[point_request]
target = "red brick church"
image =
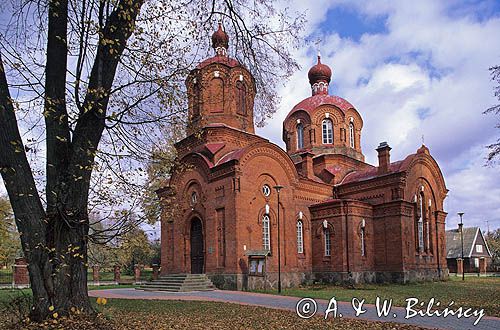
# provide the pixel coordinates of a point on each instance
(336, 218)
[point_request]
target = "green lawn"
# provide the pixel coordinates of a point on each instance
(154, 314)
(475, 292)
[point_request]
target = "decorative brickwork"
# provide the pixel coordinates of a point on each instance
(341, 219)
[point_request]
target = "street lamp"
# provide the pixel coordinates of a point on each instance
(278, 188)
(460, 227)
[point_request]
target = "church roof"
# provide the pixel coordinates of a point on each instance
(372, 172)
(313, 102)
(225, 60)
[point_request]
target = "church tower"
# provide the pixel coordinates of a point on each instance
(220, 90)
(322, 133)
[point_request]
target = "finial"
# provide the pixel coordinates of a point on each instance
(423, 140)
(317, 43)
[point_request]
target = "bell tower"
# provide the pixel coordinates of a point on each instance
(221, 91)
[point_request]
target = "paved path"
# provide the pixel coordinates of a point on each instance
(397, 314)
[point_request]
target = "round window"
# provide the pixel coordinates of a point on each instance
(194, 198)
(266, 190)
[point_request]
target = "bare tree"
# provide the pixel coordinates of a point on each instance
(495, 147)
(100, 82)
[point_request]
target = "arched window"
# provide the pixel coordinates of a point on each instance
(363, 244)
(241, 98)
(266, 238)
(351, 135)
(216, 95)
(300, 136)
(300, 237)
(420, 225)
(196, 101)
(427, 235)
(327, 131)
(328, 243)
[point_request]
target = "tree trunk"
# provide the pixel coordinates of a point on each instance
(55, 241)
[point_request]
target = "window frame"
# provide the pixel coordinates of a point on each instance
(327, 131)
(266, 232)
(327, 242)
(300, 136)
(352, 141)
(300, 237)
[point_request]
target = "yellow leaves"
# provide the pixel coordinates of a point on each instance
(55, 315)
(61, 138)
(102, 301)
(51, 308)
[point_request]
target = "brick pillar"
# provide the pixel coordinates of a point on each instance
(137, 273)
(117, 273)
(460, 266)
(156, 269)
(20, 275)
(482, 266)
(95, 274)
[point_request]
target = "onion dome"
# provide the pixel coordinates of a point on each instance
(220, 41)
(319, 77)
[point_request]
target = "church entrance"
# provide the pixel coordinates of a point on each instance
(197, 257)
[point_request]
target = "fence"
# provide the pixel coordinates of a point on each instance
(117, 274)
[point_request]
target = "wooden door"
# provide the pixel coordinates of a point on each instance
(197, 256)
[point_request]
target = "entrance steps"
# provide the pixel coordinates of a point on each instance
(179, 283)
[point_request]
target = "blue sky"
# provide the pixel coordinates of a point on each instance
(422, 67)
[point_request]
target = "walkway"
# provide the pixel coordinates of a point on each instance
(397, 314)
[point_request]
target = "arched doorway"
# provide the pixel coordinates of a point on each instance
(197, 257)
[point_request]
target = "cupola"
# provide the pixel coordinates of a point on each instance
(319, 77)
(221, 90)
(220, 41)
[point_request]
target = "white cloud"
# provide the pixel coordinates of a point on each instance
(427, 74)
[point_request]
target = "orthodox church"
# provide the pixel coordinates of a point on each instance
(246, 213)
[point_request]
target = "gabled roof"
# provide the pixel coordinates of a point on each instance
(372, 172)
(454, 242)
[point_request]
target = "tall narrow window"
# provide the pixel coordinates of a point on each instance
(266, 240)
(300, 237)
(328, 243)
(363, 246)
(241, 99)
(428, 233)
(196, 101)
(300, 136)
(216, 96)
(327, 131)
(351, 135)
(420, 225)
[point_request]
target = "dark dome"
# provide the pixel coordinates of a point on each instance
(220, 38)
(319, 72)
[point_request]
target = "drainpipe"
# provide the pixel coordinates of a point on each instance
(437, 244)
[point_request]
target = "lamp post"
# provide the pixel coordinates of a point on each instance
(460, 227)
(278, 188)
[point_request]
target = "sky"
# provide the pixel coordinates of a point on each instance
(414, 70)
(411, 69)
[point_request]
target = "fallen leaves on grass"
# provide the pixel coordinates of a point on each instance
(158, 315)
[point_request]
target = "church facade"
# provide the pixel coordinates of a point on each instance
(245, 212)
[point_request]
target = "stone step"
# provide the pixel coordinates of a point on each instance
(179, 283)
